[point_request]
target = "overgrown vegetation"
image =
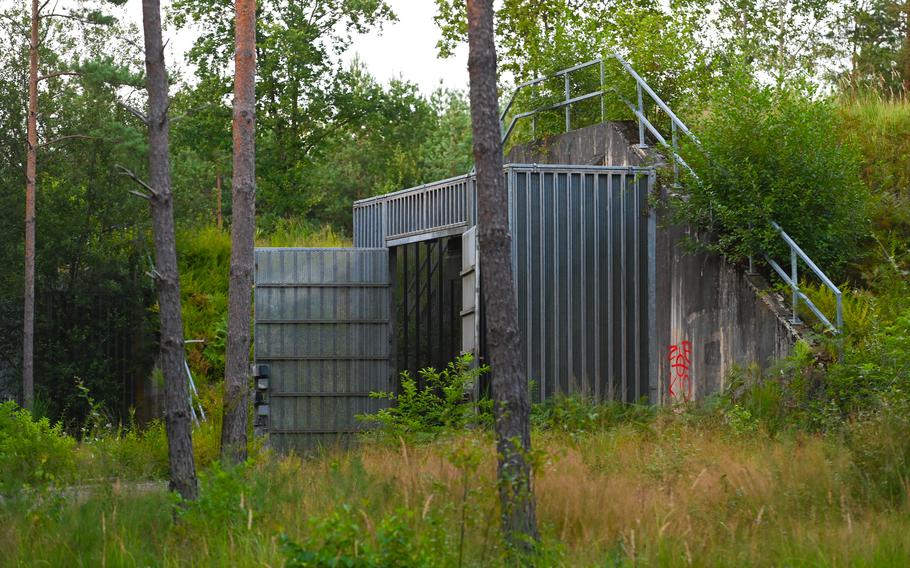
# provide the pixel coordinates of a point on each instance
(727, 483)
(444, 403)
(774, 154)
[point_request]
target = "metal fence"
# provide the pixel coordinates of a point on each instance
(323, 327)
(442, 208)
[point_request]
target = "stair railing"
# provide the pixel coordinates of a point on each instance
(676, 126)
(792, 280)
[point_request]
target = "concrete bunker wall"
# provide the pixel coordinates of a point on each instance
(710, 315)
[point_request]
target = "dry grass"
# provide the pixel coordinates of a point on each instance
(667, 494)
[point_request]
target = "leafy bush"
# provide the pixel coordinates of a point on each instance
(775, 154)
(577, 415)
(226, 495)
(32, 452)
(341, 539)
(441, 405)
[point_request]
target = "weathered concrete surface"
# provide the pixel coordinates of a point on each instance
(604, 144)
(710, 315)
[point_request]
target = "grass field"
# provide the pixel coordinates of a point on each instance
(671, 489)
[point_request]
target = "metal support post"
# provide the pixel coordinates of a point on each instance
(794, 285)
(641, 124)
(568, 106)
(675, 143)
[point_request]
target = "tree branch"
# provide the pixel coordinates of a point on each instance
(58, 74)
(135, 112)
(137, 179)
(67, 137)
(67, 17)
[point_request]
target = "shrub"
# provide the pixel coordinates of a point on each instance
(577, 415)
(422, 414)
(341, 539)
(32, 452)
(775, 154)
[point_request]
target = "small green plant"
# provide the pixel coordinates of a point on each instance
(578, 415)
(341, 539)
(740, 420)
(226, 497)
(443, 404)
(32, 452)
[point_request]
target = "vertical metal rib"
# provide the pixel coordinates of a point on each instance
(654, 395)
(597, 299)
(623, 292)
(636, 211)
(611, 353)
(583, 261)
(556, 280)
(570, 285)
(540, 276)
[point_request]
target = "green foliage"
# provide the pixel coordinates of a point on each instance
(880, 449)
(578, 415)
(773, 154)
(442, 405)
(342, 539)
(32, 452)
(874, 31)
(227, 496)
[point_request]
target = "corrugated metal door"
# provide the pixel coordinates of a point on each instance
(583, 254)
(323, 326)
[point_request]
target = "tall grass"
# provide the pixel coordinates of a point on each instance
(673, 490)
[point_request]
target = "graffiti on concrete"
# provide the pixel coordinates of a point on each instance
(680, 356)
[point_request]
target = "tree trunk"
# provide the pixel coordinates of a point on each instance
(31, 167)
(509, 387)
(907, 49)
(243, 224)
(167, 281)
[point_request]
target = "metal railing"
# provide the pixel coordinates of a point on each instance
(642, 88)
(395, 218)
(792, 280)
(676, 126)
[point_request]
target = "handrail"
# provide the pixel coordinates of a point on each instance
(792, 280)
(676, 124)
(642, 88)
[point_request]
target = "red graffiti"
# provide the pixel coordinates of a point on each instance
(680, 382)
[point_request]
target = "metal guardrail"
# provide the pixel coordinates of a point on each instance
(792, 280)
(400, 217)
(642, 89)
(676, 125)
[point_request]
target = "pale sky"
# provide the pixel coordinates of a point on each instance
(405, 49)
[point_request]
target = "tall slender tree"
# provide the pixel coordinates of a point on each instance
(243, 224)
(31, 167)
(511, 399)
(167, 281)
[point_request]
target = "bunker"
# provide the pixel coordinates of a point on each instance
(611, 305)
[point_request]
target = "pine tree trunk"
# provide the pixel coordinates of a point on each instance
(907, 49)
(509, 387)
(167, 281)
(243, 223)
(31, 168)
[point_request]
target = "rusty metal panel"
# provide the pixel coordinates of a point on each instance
(322, 325)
